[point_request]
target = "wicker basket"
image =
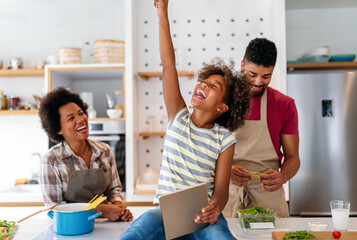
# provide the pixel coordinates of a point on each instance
(109, 51)
(69, 55)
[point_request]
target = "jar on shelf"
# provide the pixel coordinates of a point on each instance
(14, 103)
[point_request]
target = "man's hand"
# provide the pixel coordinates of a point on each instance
(272, 180)
(240, 176)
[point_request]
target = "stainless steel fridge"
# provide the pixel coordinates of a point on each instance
(327, 107)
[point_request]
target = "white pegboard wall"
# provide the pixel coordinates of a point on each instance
(200, 30)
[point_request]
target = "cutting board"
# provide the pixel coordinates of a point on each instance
(321, 235)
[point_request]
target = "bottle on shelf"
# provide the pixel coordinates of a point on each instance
(2, 104)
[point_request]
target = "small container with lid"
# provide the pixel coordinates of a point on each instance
(14, 103)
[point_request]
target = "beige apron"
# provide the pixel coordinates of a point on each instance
(84, 184)
(255, 152)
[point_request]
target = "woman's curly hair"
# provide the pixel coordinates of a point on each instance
(237, 95)
(49, 115)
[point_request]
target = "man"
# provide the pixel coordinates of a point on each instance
(268, 142)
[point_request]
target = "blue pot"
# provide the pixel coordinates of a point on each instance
(70, 219)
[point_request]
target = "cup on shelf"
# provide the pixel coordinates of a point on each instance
(150, 123)
(340, 214)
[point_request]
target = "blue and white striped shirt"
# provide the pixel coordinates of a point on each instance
(190, 154)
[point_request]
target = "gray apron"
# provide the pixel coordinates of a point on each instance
(255, 152)
(84, 184)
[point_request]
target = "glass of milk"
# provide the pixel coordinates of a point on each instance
(340, 213)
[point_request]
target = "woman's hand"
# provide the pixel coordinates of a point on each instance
(209, 214)
(115, 212)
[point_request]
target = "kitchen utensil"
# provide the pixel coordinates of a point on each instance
(33, 214)
(321, 235)
(70, 219)
(95, 203)
(342, 58)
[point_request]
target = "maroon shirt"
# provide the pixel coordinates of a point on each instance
(282, 116)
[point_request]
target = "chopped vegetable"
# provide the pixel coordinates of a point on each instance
(256, 174)
(254, 215)
(303, 234)
(7, 229)
(336, 234)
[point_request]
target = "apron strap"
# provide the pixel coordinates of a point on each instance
(71, 167)
(263, 107)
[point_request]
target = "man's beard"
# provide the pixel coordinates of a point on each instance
(257, 94)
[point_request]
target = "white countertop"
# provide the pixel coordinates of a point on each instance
(40, 226)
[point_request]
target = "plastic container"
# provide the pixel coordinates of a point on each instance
(342, 58)
(267, 220)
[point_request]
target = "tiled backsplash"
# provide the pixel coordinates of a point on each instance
(307, 29)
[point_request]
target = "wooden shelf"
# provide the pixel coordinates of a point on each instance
(146, 135)
(18, 112)
(321, 66)
(147, 75)
(22, 73)
(106, 119)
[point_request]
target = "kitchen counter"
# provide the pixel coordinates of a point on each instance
(40, 226)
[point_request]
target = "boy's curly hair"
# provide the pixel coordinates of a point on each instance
(261, 51)
(49, 115)
(237, 95)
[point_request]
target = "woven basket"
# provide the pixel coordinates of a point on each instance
(109, 51)
(69, 55)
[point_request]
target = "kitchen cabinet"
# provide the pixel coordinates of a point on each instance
(99, 79)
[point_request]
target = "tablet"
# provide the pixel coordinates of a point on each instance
(178, 210)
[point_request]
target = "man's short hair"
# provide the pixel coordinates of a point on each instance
(261, 51)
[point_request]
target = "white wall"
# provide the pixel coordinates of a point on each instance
(307, 29)
(33, 30)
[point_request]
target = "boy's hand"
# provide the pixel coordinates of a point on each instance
(209, 214)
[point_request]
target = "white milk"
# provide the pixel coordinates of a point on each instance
(340, 218)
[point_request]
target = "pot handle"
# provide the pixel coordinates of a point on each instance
(50, 214)
(94, 216)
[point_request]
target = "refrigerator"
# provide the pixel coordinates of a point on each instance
(326, 102)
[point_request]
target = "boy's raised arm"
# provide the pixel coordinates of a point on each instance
(172, 95)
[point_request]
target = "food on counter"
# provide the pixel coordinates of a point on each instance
(7, 229)
(317, 226)
(303, 234)
(256, 214)
(256, 174)
(336, 234)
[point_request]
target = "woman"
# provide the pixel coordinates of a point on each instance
(77, 168)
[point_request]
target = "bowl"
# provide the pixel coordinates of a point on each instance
(342, 58)
(320, 51)
(114, 113)
(6, 232)
(317, 226)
